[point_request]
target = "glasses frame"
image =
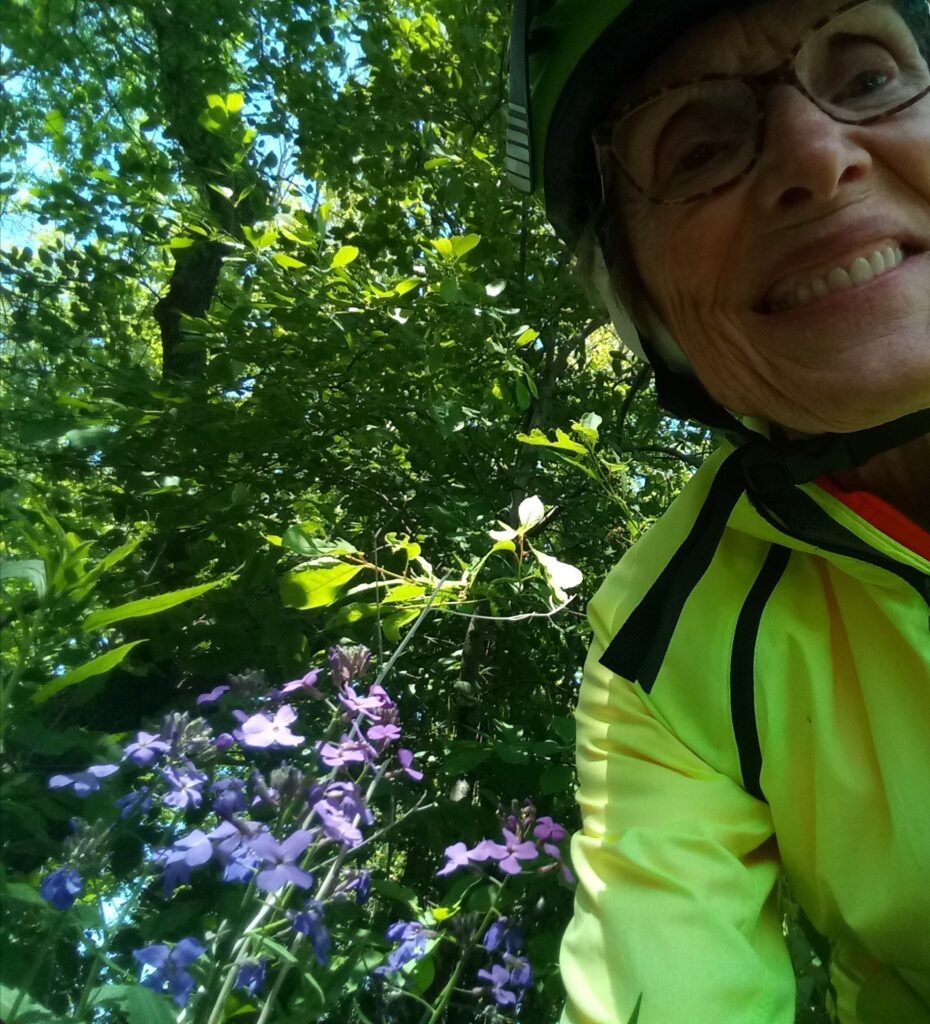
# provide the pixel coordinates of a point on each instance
(761, 85)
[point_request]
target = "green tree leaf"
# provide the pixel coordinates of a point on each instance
(316, 588)
(141, 1005)
(96, 667)
(54, 122)
(346, 255)
(145, 606)
(30, 569)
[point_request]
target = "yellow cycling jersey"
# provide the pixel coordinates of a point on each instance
(753, 703)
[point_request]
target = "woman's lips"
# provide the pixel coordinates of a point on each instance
(870, 262)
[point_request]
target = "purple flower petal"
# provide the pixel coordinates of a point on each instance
(186, 951)
(152, 956)
(405, 757)
(62, 887)
(212, 696)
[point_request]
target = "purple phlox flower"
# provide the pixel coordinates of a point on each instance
(347, 751)
(383, 734)
(230, 843)
(337, 825)
(497, 979)
(345, 798)
(62, 887)
(521, 974)
(309, 922)
(169, 967)
(262, 731)
(183, 856)
(136, 801)
(459, 856)
(305, 685)
(509, 853)
(85, 782)
(211, 696)
(251, 975)
(358, 882)
(224, 740)
(366, 707)
(412, 937)
(186, 786)
(229, 798)
(278, 868)
(504, 936)
(146, 749)
(546, 828)
(349, 798)
(388, 707)
(405, 757)
(348, 663)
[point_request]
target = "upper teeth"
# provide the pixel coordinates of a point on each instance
(862, 269)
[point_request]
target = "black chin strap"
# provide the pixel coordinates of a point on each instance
(775, 466)
(771, 467)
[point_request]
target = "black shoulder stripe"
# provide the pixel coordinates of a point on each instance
(742, 668)
(638, 649)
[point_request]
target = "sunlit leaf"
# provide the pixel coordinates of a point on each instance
(146, 606)
(346, 255)
(531, 513)
(316, 588)
(55, 122)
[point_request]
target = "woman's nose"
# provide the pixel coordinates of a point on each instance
(806, 155)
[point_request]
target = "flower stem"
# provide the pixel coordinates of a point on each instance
(440, 1008)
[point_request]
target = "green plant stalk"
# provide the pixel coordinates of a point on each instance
(328, 883)
(34, 970)
(7, 690)
(322, 893)
(109, 932)
(446, 993)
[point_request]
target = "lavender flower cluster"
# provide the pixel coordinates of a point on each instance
(507, 981)
(246, 798)
(527, 840)
(267, 826)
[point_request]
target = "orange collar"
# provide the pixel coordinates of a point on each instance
(880, 514)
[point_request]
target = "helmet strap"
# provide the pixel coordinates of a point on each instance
(774, 465)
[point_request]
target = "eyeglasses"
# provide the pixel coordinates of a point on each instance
(861, 64)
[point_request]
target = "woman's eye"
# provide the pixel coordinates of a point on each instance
(697, 157)
(863, 84)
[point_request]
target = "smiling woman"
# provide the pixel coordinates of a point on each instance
(748, 188)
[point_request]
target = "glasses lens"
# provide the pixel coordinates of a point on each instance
(867, 61)
(688, 140)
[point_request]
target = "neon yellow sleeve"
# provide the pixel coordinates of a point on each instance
(676, 868)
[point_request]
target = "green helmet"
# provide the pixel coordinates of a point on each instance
(567, 60)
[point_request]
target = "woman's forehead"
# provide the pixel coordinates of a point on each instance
(749, 38)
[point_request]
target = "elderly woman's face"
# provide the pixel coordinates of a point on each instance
(734, 276)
